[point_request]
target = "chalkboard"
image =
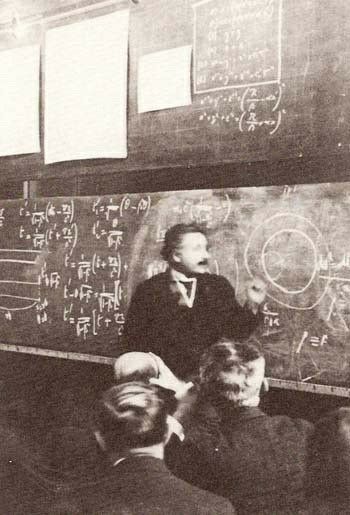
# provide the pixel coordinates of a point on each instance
(68, 267)
(270, 81)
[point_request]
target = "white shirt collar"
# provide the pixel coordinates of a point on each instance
(176, 427)
(180, 278)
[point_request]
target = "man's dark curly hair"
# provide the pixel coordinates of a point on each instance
(223, 355)
(173, 237)
(133, 414)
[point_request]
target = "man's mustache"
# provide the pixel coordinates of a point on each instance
(229, 388)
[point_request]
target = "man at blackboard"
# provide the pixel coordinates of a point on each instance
(179, 313)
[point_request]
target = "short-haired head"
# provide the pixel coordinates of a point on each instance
(234, 371)
(133, 415)
(135, 366)
(174, 235)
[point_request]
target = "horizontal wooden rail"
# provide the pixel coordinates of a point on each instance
(77, 356)
(285, 384)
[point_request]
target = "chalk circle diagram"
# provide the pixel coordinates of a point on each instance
(285, 249)
(19, 279)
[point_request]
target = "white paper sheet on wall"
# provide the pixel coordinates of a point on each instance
(86, 89)
(19, 97)
(164, 79)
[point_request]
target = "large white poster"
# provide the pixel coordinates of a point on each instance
(19, 97)
(86, 89)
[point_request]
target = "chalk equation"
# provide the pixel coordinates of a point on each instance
(69, 266)
(236, 44)
(63, 271)
(249, 110)
(237, 64)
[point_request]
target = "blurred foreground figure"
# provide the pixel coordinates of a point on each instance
(135, 366)
(132, 430)
(234, 449)
(329, 464)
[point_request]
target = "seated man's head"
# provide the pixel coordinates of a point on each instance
(132, 416)
(233, 371)
(186, 249)
(135, 366)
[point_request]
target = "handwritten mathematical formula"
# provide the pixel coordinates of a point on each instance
(237, 63)
(49, 268)
(69, 266)
(237, 44)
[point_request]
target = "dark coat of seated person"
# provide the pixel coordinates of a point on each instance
(70, 457)
(328, 472)
(233, 448)
(179, 313)
(131, 426)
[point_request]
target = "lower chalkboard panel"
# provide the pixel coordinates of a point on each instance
(69, 265)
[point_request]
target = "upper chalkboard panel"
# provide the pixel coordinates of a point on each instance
(270, 81)
(237, 47)
(68, 267)
(252, 96)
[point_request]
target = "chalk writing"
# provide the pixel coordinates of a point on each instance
(232, 49)
(202, 212)
(2, 217)
(68, 267)
(255, 108)
(86, 285)
(236, 43)
(272, 323)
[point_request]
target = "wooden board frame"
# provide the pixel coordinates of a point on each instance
(105, 360)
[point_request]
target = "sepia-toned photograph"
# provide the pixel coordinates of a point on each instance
(174, 257)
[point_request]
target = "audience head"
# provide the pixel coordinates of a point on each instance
(329, 457)
(233, 371)
(132, 415)
(186, 248)
(135, 366)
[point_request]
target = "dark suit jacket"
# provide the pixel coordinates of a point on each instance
(331, 506)
(256, 461)
(179, 334)
(144, 486)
